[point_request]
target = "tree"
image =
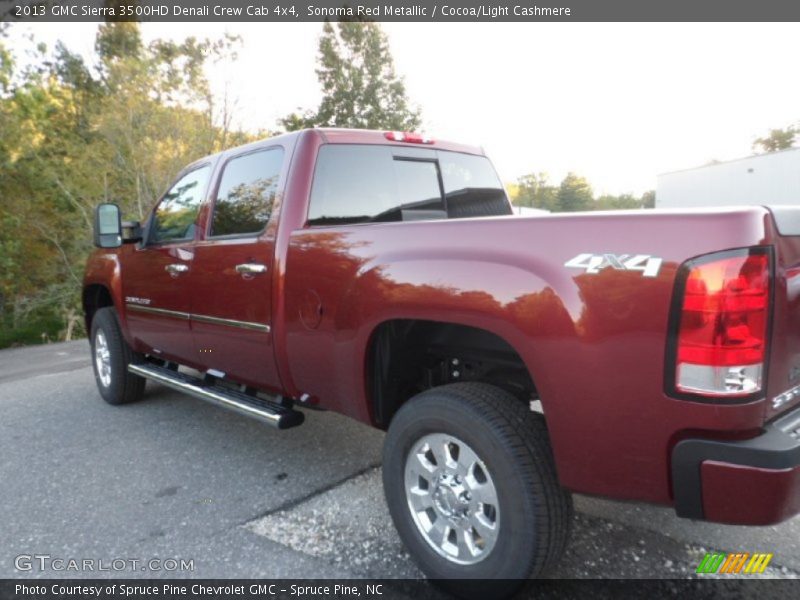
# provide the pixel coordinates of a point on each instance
(621, 202)
(118, 41)
(574, 194)
(534, 190)
(777, 139)
(359, 85)
(72, 136)
(6, 63)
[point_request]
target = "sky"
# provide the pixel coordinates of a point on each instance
(616, 103)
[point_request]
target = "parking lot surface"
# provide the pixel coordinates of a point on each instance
(174, 478)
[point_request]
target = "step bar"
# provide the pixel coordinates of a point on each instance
(260, 409)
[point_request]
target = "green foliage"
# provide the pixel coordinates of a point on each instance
(73, 136)
(359, 85)
(574, 193)
(777, 139)
(6, 65)
(534, 191)
(34, 330)
(118, 41)
(621, 202)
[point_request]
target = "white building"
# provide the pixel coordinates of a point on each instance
(763, 179)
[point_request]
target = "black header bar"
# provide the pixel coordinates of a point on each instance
(400, 10)
(383, 589)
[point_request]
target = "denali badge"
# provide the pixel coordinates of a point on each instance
(594, 263)
(135, 300)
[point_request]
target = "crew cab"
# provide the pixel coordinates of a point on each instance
(644, 355)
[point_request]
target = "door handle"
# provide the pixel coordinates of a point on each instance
(251, 268)
(176, 268)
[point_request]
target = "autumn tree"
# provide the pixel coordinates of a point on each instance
(6, 62)
(72, 136)
(649, 199)
(777, 139)
(574, 194)
(621, 202)
(535, 191)
(360, 87)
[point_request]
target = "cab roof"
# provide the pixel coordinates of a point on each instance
(335, 135)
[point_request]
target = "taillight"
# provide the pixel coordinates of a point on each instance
(721, 340)
(408, 137)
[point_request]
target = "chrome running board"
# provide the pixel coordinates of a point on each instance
(246, 404)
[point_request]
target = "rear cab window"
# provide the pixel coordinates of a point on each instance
(371, 183)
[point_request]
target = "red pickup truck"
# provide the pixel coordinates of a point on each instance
(644, 355)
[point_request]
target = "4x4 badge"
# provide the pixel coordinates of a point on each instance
(594, 263)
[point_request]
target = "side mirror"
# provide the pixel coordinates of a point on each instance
(107, 226)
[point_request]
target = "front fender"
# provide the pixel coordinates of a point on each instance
(104, 268)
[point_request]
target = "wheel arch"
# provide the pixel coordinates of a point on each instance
(102, 287)
(95, 296)
(514, 305)
(405, 356)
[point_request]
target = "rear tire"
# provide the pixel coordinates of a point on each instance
(111, 356)
(504, 515)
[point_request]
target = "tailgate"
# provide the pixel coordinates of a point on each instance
(783, 383)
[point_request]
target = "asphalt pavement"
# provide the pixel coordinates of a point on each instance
(176, 480)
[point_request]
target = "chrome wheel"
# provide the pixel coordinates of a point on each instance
(452, 498)
(102, 358)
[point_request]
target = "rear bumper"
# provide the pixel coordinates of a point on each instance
(746, 482)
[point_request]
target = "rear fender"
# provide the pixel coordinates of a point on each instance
(505, 300)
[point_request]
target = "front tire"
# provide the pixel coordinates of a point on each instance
(471, 485)
(111, 356)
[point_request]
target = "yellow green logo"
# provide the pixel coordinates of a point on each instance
(741, 562)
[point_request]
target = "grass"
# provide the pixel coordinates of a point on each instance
(36, 330)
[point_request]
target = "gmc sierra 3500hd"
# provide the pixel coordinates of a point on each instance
(642, 355)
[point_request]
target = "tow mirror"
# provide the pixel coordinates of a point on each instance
(107, 226)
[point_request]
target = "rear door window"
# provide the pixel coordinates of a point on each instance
(246, 193)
